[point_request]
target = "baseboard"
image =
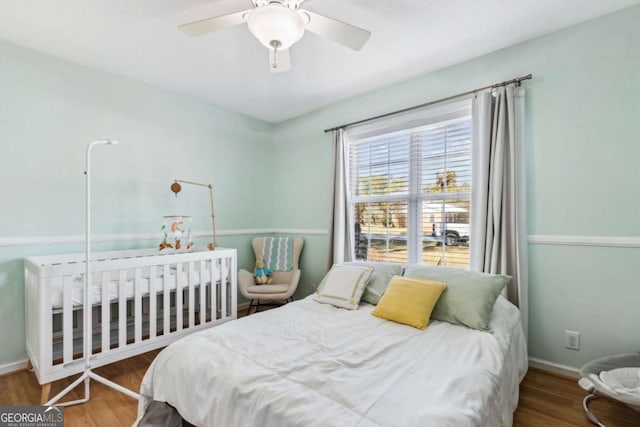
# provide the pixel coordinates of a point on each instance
(12, 367)
(243, 306)
(556, 368)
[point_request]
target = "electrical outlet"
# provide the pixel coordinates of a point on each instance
(572, 340)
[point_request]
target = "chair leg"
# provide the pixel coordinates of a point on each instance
(250, 305)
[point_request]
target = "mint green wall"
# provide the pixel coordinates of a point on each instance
(51, 109)
(583, 147)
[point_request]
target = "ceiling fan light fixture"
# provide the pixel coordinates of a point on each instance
(275, 22)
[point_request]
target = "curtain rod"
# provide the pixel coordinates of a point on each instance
(517, 80)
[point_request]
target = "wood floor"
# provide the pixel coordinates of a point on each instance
(545, 400)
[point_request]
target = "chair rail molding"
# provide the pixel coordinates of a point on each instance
(534, 239)
(60, 239)
(575, 240)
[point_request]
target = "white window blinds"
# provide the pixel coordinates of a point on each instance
(410, 193)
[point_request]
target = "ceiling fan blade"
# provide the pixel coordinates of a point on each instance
(280, 59)
(345, 34)
(208, 25)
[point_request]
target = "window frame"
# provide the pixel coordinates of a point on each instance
(413, 123)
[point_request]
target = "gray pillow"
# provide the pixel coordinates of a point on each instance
(382, 274)
(469, 297)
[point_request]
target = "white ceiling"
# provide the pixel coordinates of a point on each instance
(229, 68)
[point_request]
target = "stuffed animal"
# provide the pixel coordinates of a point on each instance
(261, 274)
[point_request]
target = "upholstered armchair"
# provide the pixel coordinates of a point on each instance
(284, 282)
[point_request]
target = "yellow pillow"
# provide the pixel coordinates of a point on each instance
(409, 301)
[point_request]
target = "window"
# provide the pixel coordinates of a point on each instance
(410, 191)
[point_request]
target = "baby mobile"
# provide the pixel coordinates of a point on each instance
(177, 228)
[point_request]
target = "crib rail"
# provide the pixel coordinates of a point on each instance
(140, 300)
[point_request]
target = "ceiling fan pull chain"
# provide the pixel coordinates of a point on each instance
(275, 44)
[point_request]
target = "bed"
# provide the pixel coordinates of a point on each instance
(312, 364)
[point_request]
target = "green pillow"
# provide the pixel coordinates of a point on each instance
(469, 297)
(379, 280)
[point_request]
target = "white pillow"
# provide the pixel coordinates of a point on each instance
(343, 286)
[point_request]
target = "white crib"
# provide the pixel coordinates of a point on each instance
(141, 300)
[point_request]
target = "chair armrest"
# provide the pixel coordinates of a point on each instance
(289, 278)
(245, 279)
(293, 283)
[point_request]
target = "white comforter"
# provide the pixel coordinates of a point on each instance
(310, 364)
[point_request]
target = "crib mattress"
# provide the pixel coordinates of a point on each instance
(77, 290)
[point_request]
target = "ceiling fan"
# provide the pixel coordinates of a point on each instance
(278, 24)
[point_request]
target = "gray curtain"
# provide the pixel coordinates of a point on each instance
(498, 223)
(341, 230)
